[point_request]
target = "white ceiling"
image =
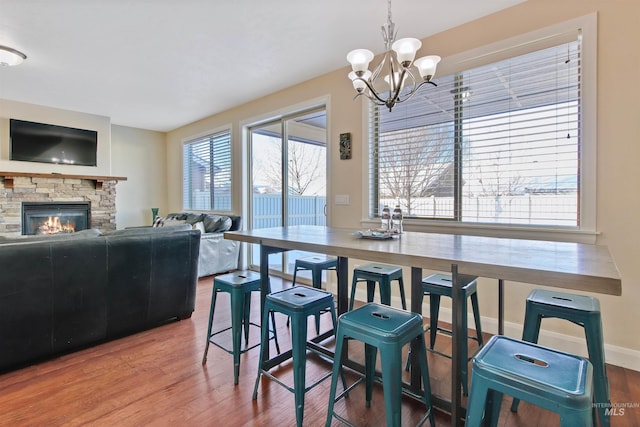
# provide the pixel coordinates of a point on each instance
(161, 64)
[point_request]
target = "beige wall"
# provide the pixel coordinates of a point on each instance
(140, 156)
(618, 152)
(55, 116)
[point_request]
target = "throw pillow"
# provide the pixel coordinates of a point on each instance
(158, 221)
(166, 221)
(225, 224)
(199, 226)
(192, 218)
(216, 223)
(177, 215)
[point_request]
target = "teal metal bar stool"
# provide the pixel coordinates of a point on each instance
(239, 285)
(438, 285)
(298, 303)
(583, 311)
(383, 275)
(316, 264)
(553, 380)
(386, 329)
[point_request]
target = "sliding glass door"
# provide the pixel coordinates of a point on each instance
(288, 177)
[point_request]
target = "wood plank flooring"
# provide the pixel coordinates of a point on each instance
(156, 378)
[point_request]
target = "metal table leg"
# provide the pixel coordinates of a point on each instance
(500, 307)
(458, 338)
(343, 284)
(416, 307)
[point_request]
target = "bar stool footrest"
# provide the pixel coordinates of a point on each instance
(448, 332)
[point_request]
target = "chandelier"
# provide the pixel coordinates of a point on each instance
(398, 66)
(10, 56)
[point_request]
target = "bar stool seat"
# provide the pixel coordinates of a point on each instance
(316, 264)
(583, 311)
(383, 275)
(387, 329)
(438, 285)
(239, 285)
(298, 303)
(553, 380)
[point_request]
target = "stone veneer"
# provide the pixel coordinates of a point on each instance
(102, 196)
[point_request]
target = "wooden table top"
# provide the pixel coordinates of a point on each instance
(575, 266)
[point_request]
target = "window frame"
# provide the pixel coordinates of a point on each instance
(195, 138)
(514, 46)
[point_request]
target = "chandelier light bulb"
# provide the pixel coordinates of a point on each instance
(427, 66)
(358, 84)
(405, 50)
(360, 59)
(396, 80)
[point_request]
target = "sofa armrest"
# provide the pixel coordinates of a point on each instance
(217, 254)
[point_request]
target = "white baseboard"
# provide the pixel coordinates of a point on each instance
(614, 355)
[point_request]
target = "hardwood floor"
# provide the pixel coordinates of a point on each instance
(156, 378)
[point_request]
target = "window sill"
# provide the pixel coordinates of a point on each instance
(489, 230)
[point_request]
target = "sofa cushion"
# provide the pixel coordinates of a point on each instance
(173, 222)
(216, 223)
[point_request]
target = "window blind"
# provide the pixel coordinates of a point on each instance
(207, 172)
(498, 143)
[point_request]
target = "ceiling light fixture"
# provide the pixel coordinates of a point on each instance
(399, 63)
(9, 56)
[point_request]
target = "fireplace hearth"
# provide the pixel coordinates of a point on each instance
(55, 217)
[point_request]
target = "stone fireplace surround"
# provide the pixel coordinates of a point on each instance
(18, 187)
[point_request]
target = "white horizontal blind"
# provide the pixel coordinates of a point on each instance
(207, 173)
(498, 143)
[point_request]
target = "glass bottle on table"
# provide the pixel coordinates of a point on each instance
(385, 219)
(396, 220)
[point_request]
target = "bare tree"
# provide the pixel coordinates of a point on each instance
(495, 178)
(415, 164)
(304, 167)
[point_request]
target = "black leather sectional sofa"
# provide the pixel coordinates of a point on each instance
(64, 293)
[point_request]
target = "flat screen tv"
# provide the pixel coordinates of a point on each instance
(40, 142)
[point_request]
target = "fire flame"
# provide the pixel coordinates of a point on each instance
(53, 225)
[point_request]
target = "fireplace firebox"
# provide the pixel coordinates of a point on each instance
(55, 217)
